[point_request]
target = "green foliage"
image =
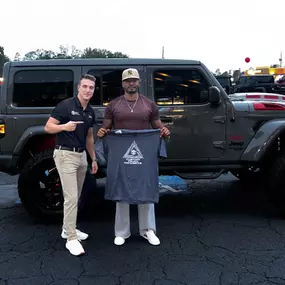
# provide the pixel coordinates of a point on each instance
(3, 59)
(66, 52)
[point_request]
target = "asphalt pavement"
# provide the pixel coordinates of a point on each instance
(217, 232)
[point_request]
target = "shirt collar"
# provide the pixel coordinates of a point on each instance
(78, 104)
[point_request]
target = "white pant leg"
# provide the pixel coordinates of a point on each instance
(146, 215)
(122, 220)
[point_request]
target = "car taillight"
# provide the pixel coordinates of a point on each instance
(268, 106)
(2, 129)
(276, 97)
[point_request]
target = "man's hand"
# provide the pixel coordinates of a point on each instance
(71, 125)
(164, 132)
(102, 132)
(94, 167)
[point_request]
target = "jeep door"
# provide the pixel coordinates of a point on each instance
(108, 87)
(198, 129)
(33, 92)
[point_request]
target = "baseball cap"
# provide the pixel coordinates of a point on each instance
(130, 73)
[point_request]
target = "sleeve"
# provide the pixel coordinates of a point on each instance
(154, 112)
(109, 112)
(59, 112)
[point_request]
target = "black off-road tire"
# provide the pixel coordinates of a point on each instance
(248, 176)
(37, 201)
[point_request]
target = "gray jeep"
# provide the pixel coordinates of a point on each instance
(210, 134)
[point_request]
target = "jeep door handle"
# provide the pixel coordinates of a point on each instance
(165, 119)
(219, 119)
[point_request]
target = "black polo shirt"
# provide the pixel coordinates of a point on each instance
(71, 110)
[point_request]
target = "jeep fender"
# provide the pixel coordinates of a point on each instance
(30, 133)
(263, 139)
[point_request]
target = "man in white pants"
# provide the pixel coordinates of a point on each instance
(133, 111)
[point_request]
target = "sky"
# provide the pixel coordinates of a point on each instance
(220, 33)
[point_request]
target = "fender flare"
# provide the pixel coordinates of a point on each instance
(26, 136)
(263, 139)
(34, 131)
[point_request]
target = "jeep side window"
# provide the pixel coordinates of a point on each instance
(179, 87)
(111, 85)
(42, 88)
(108, 86)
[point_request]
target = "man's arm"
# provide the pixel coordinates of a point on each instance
(53, 127)
(107, 122)
(156, 122)
(155, 118)
(90, 144)
(53, 124)
(108, 117)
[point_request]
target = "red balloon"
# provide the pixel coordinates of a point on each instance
(247, 59)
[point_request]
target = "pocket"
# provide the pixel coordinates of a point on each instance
(58, 155)
(54, 153)
(63, 154)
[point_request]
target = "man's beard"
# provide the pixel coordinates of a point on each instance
(132, 90)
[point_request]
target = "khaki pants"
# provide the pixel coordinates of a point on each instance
(71, 167)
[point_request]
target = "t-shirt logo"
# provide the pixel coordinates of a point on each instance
(133, 155)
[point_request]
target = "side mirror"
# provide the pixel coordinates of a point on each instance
(214, 95)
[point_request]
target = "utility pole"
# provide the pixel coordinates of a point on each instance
(163, 52)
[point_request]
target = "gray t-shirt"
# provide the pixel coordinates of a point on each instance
(132, 165)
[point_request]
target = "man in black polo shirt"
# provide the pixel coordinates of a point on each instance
(72, 121)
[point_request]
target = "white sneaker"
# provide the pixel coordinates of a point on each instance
(151, 237)
(119, 241)
(74, 247)
(80, 235)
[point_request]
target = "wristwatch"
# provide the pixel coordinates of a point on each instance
(95, 160)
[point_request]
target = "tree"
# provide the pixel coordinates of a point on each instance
(3, 59)
(66, 52)
(39, 54)
(101, 53)
(218, 72)
(17, 56)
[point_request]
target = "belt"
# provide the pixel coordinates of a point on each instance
(74, 149)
